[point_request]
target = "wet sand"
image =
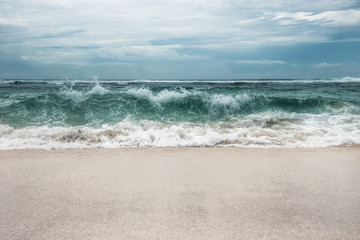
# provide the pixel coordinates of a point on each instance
(180, 193)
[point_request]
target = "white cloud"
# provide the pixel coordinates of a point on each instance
(296, 5)
(165, 52)
(261, 62)
(349, 17)
(58, 57)
(109, 54)
(326, 65)
(26, 58)
(13, 21)
(248, 21)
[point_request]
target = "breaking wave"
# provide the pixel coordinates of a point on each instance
(269, 129)
(149, 113)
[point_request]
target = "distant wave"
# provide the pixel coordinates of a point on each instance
(176, 81)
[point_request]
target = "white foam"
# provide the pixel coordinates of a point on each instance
(269, 129)
(7, 102)
(77, 97)
(348, 79)
(230, 81)
(161, 97)
(97, 89)
(228, 103)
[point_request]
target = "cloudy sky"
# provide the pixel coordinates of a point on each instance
(143, 39)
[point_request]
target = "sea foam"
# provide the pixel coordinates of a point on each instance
(152, 113)
(269, 129)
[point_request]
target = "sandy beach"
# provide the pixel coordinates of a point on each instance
(180, 193)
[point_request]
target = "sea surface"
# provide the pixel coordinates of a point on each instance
(62, 114)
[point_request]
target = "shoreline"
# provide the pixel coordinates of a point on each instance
(180, 193)
(216, 147)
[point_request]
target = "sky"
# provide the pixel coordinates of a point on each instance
(179, 39)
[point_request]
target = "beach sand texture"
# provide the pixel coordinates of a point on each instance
(180, 193)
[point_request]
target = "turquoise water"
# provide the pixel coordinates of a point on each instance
(118, 113)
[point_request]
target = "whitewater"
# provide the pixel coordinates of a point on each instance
(71, 114)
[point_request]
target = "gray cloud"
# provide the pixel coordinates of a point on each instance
(88, 32)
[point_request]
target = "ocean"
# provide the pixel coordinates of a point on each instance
(71, 114)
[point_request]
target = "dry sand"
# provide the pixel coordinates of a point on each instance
(180, 193)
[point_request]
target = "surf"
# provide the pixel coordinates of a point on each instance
(168, 113)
